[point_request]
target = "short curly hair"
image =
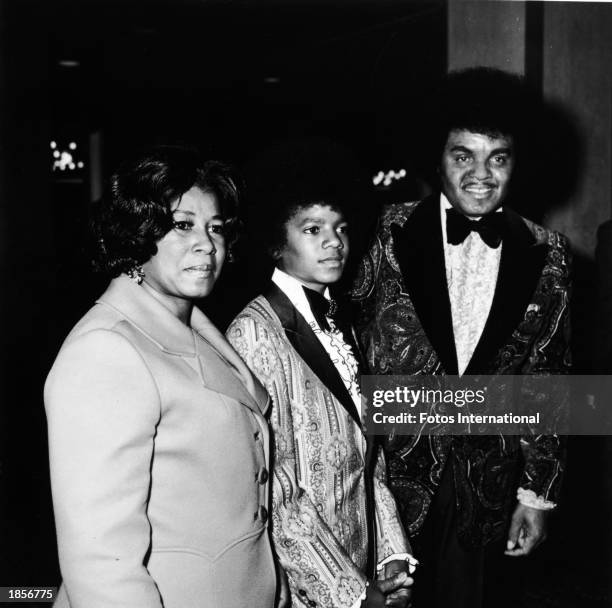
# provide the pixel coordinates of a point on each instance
(136, 212)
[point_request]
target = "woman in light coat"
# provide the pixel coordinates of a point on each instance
(157, 436)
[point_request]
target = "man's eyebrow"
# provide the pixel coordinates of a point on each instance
(461, 149)
(316, 220)
(464, 150)
(507, 151)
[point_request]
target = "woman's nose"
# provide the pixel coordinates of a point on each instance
(204, 242)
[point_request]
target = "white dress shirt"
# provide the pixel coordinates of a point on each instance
(471, 276)
(472, 268)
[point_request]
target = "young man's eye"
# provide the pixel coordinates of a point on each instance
(312, 230)
(500, 159)
(343, 229)
(183, 225)
(462, 158)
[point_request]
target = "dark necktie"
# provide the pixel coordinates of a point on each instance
(491, 227)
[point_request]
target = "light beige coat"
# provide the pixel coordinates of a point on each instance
(159, 457)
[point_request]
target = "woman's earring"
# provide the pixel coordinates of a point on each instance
(136, 273)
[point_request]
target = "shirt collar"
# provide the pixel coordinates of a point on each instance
(155, 321)
(293, 288)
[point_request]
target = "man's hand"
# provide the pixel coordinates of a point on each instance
(396, 584)
(527, 530)
(382, 593)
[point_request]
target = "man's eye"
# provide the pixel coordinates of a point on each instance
(343, 229)
(312, 230)
(183, 225)
(500, 160)
(462, 158)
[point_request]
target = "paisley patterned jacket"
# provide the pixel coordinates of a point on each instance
(405, 323)
(324, 473)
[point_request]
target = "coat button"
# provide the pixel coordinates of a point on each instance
(262, 478)
(263, 513)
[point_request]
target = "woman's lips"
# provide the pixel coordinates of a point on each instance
(201, 270)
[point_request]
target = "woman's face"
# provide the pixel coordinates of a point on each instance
(317, 246)
(189, 257)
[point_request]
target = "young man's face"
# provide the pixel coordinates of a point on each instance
(316, 248)
(475, 171)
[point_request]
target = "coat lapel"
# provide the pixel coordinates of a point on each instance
(420, 255)
(247, 389)
(175, 338)
(307, 345)
(520, 269)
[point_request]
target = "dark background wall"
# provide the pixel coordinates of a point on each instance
(231, 76)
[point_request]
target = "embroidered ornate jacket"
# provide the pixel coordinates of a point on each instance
(406, 327)
(321, 473)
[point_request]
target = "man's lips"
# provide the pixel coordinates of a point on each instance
(478, 187)
(332, 260)
(479, 190)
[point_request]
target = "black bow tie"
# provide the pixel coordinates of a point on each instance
(321, 307)
(324, 309)
(491, 227)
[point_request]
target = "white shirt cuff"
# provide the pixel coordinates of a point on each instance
(412, 563)
(530, 499)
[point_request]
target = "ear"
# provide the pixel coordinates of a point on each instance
(276, 253)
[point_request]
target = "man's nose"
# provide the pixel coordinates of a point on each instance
(333, 240)
(481, 169)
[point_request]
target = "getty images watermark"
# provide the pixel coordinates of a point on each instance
(487, 405)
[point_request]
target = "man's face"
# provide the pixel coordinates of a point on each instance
(317, 246)
(475, 171)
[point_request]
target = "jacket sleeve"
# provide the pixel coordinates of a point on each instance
(391, 537)
(102, 409)
(319, 570)
(544, 455)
